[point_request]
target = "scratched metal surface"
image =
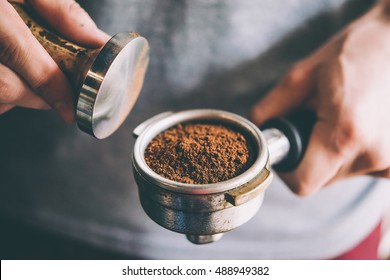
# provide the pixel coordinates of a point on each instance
(204, 54)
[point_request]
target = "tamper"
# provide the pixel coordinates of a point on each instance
(108, 80)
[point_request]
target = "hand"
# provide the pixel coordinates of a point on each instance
(29, 77)
(347, 83)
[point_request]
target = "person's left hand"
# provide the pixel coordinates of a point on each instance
(347, 84)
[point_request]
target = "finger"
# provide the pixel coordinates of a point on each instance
(291, 92)
(13, 90)
(72, 21)
(21, 52)
(5, 108)
(319, 166)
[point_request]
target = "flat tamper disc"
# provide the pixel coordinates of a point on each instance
(112, 84)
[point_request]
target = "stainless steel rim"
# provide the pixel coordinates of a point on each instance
(200, 114)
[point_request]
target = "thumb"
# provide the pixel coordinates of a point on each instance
(288, 94)
(72, 21)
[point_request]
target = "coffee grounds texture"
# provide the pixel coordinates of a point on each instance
(199, 153)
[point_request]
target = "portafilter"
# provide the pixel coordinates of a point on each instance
(203, 212)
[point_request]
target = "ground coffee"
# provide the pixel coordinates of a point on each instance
(199, 153)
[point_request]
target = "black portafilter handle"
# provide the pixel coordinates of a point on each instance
(297, 128)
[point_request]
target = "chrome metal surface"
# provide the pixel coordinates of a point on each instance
(112, 84)
(202, 212)
(203, 239)
(278, 144)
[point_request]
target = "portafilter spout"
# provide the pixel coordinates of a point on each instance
(107, 80)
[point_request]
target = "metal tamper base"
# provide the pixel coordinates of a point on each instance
(112, 84)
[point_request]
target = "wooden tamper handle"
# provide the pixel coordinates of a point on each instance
(107, 80)
(72, 59)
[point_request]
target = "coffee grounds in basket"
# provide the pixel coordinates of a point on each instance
(199, 153)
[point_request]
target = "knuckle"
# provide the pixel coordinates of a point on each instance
(5, 90)
(346, 136)
(14, 53)
(301, 185)
(296, 74)
(305, 188)
(41, 82)
(52, 86)
(9, 52)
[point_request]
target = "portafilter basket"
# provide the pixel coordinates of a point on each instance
(203, 212)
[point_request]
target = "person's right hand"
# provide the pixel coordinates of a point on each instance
(29, 77)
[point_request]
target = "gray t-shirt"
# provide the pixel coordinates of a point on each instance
(204, 54)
